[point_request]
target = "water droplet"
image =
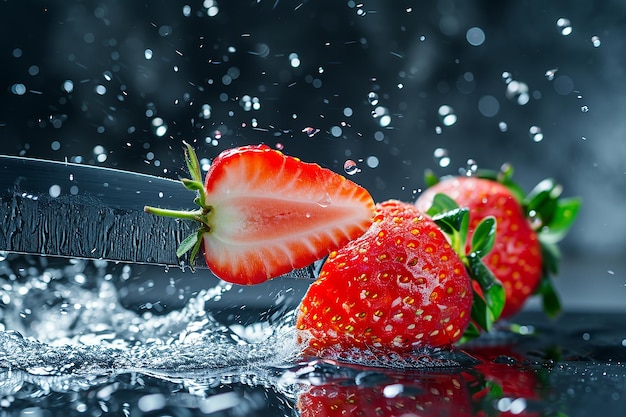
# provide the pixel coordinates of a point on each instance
(350, 167)
(518, 91)
(564, 25)
(595, 41)
(372, 98)
(447, 116)
(324, 201)
(294, 60)
(55, 191)
(441, 156)
(336, 131)
(551, 73)
(392, 391)
(535, 133)
(471, 167)
(475, 36)
(372, 161)
(310, 131)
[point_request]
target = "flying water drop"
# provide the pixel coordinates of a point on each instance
(310, 131)
(447, 115)
(372, 98)
(350, 167)
(535, 133)
(564, 26)
(595, 41)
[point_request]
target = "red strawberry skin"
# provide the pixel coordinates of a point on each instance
(272, 213)
(397, 287)
(516, 255)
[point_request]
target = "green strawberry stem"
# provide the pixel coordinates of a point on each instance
(454, 221)
(192, 242)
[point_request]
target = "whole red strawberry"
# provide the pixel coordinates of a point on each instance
(263, 213)
(519, 257)
(397, 287)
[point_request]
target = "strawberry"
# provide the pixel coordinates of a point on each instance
(263, 214)
(524, 253)
(428, 394)
(397, 287)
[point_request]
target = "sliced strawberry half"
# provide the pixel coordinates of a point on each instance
(264, 214)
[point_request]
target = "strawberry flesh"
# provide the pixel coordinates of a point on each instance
(272, 213)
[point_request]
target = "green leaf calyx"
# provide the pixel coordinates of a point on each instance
(202, 215)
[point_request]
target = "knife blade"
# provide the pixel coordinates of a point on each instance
(63, 209)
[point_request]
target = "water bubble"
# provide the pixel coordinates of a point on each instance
(488, 106)
(507, 77)
(372, 161)
(294, 60)
(55, 145)
(446, 113)
(595, 41)
(372, 98)
(336, 131)
(551, 73)
(249, 103)
(350, 167)
(503, 126)
(564, 25)
(147, 54)
(584, 109)
(100, 90)
(159, 127)
(471, 166)
(475, 36)
(54, 191)
(348, 112)
(441, 156)
(33, 70)
(535, 133)
(438, 130)
(186, 10)
(325, 201)
(310, 131)
(518, 91)
(392, 391)
(211, 7)
(18, 89)
(205, 112)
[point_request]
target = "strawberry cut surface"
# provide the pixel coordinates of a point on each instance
(263, 214)
(272, 213)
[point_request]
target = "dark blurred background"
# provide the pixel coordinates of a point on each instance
(396, 86)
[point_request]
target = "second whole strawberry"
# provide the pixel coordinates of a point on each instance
(398, 287)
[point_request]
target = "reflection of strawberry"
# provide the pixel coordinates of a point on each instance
(522, 252)
(504, 384)
(397, 287)
(429, 395)
(263, 213)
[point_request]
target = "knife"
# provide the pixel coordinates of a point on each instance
(63, 209)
